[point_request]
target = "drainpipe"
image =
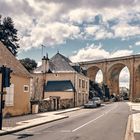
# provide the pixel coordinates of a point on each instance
(44, 75)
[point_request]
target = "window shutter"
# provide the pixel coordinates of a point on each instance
(9, 97)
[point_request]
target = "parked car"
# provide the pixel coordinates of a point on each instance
(95, 102)
(90, 104)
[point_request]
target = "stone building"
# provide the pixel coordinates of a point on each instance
(60, 82)
(17, 98)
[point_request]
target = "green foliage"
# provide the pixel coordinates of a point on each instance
(8, 35)
(29, 64)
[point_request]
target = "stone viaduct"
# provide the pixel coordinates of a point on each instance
(111, 69)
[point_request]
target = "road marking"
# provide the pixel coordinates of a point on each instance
(65, 131)
(93, 119)
(87, 123)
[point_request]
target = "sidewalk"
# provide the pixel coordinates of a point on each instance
(134, 121)
(28, 121)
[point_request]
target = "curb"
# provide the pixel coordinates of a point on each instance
(129, 135)
(4, 132)
(58, 113)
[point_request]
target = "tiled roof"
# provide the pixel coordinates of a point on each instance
(55, 86)
(60, 63)
(9, 60)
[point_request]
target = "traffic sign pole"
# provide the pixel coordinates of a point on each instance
(1, 94)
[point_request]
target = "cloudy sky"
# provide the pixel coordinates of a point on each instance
(79, 29)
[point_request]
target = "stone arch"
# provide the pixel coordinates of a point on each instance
(92, 72)
(113, 77)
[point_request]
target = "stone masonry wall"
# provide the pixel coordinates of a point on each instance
(66, 103)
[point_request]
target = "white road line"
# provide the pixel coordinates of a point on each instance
(65, 131)
(93, 119)
(87, 123)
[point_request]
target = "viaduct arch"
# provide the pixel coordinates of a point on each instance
(111, 69)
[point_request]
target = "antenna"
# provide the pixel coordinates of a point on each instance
(42, 50)
(43, 46)
(57, 50)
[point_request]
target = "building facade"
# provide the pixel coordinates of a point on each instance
(17, 97)
(68, 82)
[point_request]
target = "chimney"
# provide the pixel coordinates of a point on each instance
(45, 64)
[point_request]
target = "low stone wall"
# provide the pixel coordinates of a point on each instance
(136, 100)
(44, 106)
(66, 103)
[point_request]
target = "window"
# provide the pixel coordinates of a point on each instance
(26, 88)
(83, 84)
(9, 97)
(79, 83)
(86, 84)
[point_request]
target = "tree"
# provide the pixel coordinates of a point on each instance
(29, 64)
(95, 90)
(8, 35)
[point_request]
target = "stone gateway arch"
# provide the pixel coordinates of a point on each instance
(111, 69)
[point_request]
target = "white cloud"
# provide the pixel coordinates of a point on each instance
(120, 53)
(125, 30)
(81, 14)
(137, 43)
(88, 53)
(103, 34)
(93, 52)
(91, 30)
(34, 18)
(130, 46)
(98, 32)
(50, 34)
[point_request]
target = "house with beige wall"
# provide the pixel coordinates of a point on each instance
(63, 83)
(17, 97)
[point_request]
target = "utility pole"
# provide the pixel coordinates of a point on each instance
(5, 82)
(1, 99)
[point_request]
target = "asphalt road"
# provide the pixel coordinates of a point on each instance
(107, 122)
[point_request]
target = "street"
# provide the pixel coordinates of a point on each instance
(107, 122)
